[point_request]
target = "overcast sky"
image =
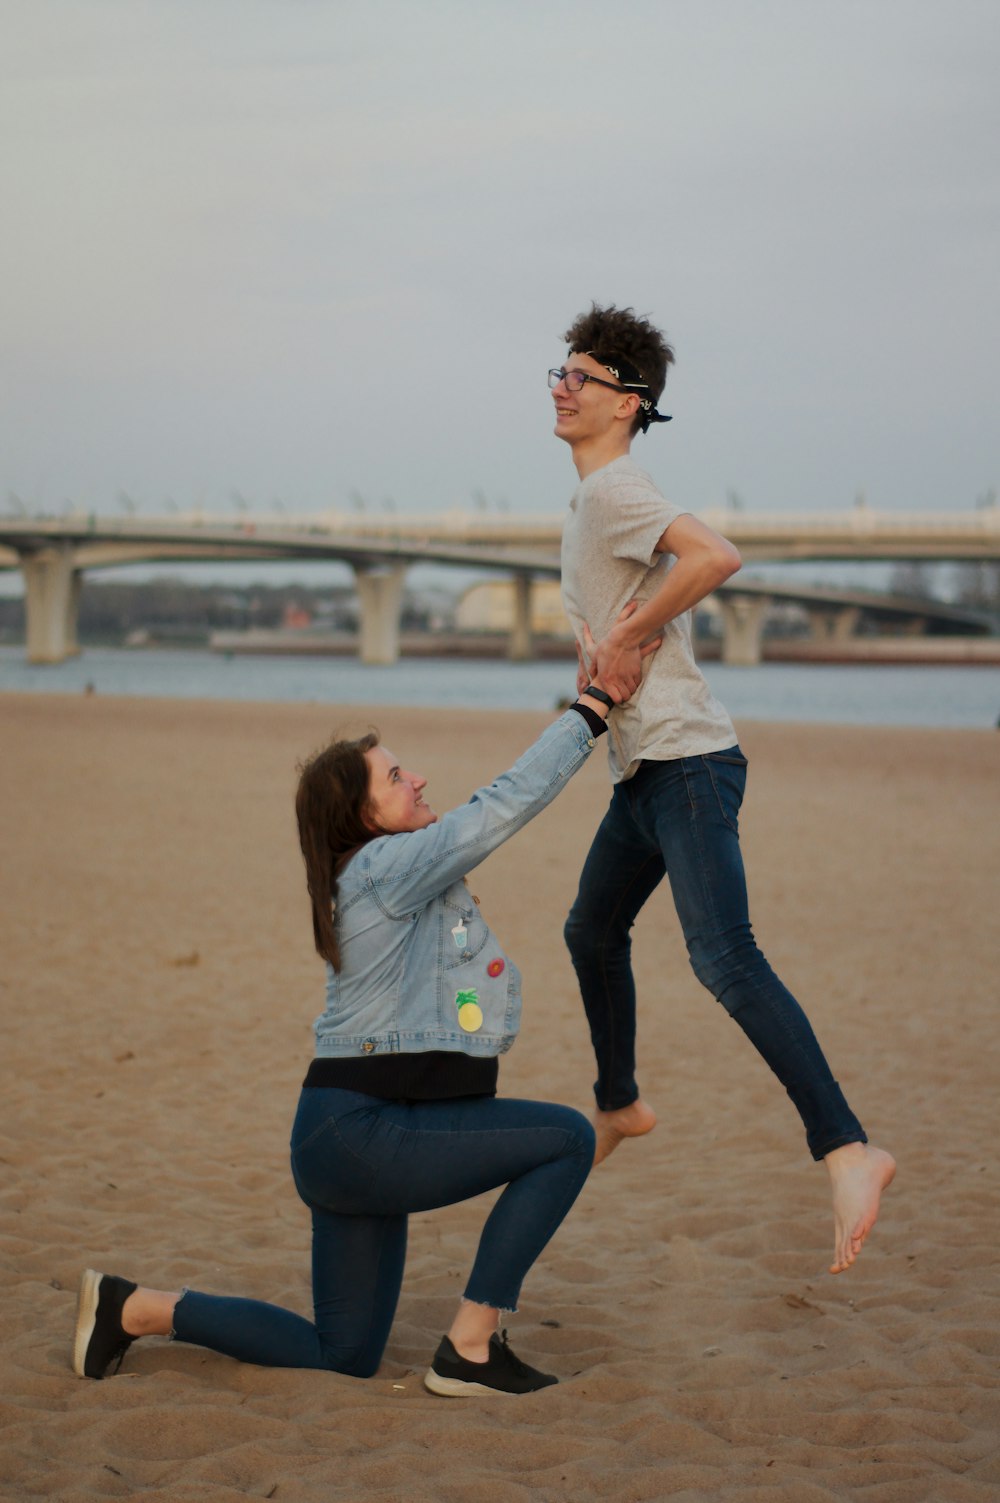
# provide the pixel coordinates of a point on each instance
(300, 249)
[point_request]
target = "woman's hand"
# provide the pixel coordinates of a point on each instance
(582, 671)
(625, 683)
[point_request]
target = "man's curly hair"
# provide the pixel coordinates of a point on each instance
(605, 333)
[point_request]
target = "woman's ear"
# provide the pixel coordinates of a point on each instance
(369, 821)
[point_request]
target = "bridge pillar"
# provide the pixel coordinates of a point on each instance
(519, 647)
(835, 625)
(51, 603)
(742, 628)
(380, 593)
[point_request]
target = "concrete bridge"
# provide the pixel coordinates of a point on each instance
(54, 552)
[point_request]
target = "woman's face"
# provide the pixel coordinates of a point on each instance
(395, 800)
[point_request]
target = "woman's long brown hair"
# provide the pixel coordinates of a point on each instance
(331, 803)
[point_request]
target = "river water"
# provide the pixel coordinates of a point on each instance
(946, 696)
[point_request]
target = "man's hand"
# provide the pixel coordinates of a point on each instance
(703, 560)
(618, 668)
(615, 668)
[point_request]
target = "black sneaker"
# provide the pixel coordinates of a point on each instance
(456, 1377)
(100, 1337)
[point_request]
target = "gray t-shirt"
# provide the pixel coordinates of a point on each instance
(616, 518)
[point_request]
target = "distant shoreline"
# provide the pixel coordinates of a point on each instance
(968, 651)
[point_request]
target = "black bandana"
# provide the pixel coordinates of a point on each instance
(648, 414)
(624, 371)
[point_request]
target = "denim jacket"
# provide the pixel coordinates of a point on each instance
(420, 969)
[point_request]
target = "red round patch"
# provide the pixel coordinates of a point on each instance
(494, 968)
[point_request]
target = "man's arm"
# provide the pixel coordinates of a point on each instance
(705, 560)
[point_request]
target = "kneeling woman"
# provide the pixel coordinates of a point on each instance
(398, 1112)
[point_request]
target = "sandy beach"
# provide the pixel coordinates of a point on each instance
(158, 988)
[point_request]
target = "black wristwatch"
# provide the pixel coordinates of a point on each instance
(601, 695)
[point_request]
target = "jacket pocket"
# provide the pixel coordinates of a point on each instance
(464, 933)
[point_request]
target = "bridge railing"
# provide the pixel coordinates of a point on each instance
(456, 526)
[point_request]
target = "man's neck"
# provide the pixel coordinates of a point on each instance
(594, 453)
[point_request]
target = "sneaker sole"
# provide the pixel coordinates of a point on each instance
(457, 1388)
(86, 1319)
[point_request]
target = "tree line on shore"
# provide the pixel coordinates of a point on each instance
(180, 610)
(183, 611)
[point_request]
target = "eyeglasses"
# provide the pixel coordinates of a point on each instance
(575, 380)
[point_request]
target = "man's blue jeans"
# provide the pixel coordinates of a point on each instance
(361, 1165)
(681, 818)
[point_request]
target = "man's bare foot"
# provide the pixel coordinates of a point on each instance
(630, 1121)
(858, 1175)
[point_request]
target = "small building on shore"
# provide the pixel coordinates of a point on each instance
(489, 607)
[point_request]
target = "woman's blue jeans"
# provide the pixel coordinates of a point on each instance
(361, 1165)
(681, 818)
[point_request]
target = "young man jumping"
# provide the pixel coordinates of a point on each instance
(678, 773)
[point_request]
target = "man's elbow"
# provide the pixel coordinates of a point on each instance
(726, 561)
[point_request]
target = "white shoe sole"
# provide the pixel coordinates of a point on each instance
(86, 1318)
(457, 1388)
